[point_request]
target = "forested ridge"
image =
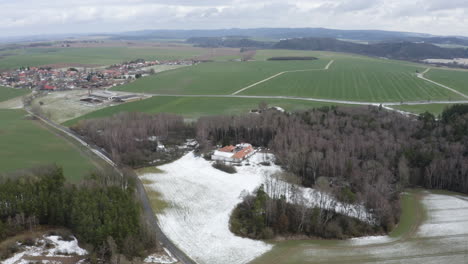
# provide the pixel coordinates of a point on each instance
(370, 153)
(101, 211)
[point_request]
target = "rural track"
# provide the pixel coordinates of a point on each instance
(149, 214)
(421, 76)
(422, 102)
(281, 73)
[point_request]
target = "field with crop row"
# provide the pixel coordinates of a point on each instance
(194, 107)
(12, 59)
(356, 79)
(26, 143)
(216, 77)
(457, 80)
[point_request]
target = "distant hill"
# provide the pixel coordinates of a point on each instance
(274, 34)
(414, 51)
(230, 42)
(393, 50)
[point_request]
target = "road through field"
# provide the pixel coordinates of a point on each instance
(316, 99)
(421, 76)
(149, 214)
(281, 73)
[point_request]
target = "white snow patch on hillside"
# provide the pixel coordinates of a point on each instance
(201, 199)
(59, 248)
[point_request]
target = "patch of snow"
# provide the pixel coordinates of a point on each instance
(60, 249)
(65, 247)
(14, 259)
(201, 200)
(161, 259)
(447, 216)
(370, 240)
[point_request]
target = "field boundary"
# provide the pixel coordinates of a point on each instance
(281, 73)
(421, 76)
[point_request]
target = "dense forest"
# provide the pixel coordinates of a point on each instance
(368, 152)
(101, 211)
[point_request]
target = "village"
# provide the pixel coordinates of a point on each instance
(61, 79)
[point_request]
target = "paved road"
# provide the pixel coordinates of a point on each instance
(150, 216)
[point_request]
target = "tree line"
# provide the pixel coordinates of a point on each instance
(101, 211)
(137, 139)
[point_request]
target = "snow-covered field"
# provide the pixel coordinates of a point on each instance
(442, 238)
(47, 246)
(201, 199)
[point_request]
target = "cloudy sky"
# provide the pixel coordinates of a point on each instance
(30, 17)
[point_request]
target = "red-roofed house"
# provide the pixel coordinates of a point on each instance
(234, 154)
(48, 87)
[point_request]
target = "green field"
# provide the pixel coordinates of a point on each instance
(97, 55)
(454, 79)
(356, 79)
(26, 143)
(435, 109)
(216, 77)
(10, 93)
(194, 107)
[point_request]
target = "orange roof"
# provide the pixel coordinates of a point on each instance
(227, 148)
(242, 153)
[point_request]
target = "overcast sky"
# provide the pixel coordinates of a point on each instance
(30, 17)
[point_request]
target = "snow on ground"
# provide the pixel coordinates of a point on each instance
(201, 199)
(447, 216)
(161, 258)
(56, 248)
(314, 198)
(370, 240)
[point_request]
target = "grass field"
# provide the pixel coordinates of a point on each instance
(454, 79)
(216, 77)
(9, 93)
(194, 107)
(92, 55)
(26, 143)
(356, 79)
(435, 109)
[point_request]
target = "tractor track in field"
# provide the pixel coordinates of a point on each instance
(281, 73)
(421, 76)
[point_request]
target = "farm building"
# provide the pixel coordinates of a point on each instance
(234, 154)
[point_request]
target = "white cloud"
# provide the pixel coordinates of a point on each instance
(22, 17)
